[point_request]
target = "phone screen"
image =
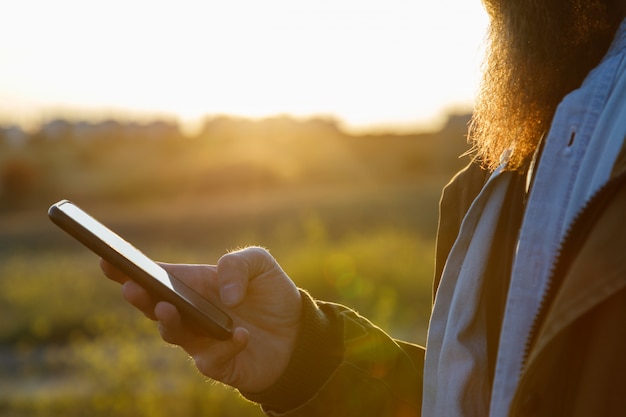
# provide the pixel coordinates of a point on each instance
(118, 244)
(125, 256)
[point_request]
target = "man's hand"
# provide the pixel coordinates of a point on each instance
(252, 288)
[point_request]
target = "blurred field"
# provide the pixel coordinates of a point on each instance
(350, 218)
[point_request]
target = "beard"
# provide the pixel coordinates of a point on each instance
(537, 52)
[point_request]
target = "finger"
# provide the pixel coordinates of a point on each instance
(217, 360)
(174, 330)
(202, 278)
(236, 269)
(170, 324)
(140, 298)
(112, 272)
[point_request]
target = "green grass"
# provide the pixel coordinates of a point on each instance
(80, 350)
(350, 219)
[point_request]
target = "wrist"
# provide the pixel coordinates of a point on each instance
(316, 353)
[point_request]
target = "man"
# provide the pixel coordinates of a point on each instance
(530, 282)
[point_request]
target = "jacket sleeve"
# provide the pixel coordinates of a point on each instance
(345, 366)
(456, 198)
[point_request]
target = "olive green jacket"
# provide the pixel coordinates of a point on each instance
(576, 358)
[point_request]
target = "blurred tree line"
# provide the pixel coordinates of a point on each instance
(351, 217)
(125, 162)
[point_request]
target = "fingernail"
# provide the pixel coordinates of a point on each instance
(230, 294)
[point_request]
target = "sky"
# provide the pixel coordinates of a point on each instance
(371, 64)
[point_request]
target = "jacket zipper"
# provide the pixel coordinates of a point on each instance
(574, 237)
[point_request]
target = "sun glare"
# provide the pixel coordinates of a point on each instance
(365, 62)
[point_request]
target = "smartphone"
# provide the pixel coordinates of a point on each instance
(197, 312)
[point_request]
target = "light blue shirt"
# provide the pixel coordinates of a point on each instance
(586, 135)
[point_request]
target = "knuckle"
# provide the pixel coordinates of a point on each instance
(228, 260)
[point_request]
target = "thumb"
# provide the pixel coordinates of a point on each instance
(236, 269)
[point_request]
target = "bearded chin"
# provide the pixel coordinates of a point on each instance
(538, 51)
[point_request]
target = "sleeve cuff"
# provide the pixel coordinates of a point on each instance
(318, 352)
